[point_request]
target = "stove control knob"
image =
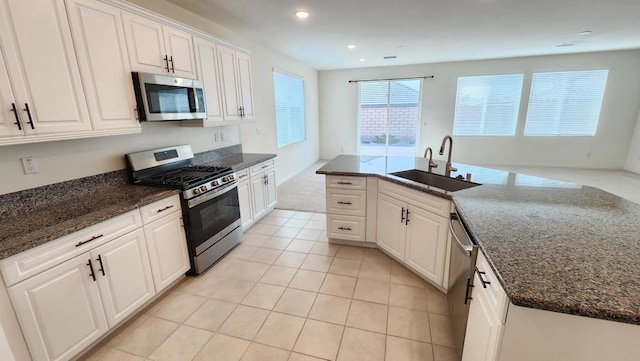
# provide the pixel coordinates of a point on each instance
(203, 188)
(196, 191)
(215, 183)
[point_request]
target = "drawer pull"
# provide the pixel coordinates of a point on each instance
(89, 240)
(484, 283)
(165, 208)
(242, 176)
(92, 274)
(346, 203)
(345, 183)
(344, 228)
(265, 166)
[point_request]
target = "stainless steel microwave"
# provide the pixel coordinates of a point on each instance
(162, 97)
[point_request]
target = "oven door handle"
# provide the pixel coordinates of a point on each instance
(210, 195)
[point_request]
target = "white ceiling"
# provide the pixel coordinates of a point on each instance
(426, 31)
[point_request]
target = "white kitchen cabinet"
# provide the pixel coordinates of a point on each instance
(263, 188)
(166, 243)
(237, 88)
(346, 208)
(391, 227)
(412, 228)
(158, 48)
(207, 67)
(10, 125)
(60, 310)
(245, 197)
(43, 70)
(100, 44)
(123, 275)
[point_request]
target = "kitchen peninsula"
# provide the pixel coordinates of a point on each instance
(554, 246)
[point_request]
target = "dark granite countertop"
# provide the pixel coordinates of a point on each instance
(554, 246)
(43, 223)
(36, 216)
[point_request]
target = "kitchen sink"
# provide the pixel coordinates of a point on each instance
(430, 179)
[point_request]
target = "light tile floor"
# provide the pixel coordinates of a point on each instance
(285, 293)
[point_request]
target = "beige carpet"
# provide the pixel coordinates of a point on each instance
(304, 192)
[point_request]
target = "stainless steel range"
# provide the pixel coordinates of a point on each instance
(210, 205)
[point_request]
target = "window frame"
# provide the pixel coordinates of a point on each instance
(518, 105)
(303, 110)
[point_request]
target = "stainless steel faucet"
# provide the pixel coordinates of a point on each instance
(429, 151)
(449, 167)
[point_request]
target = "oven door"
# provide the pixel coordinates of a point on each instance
(210, 216)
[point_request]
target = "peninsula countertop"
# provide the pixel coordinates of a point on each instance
(554, 246)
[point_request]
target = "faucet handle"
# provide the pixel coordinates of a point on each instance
(432, 164)
(453, 169)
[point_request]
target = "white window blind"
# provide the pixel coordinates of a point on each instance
(487, 105)
(289, 103)
(565, 103)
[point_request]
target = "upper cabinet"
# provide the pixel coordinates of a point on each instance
(207, 66)
(236, 87)
(104, 64)
(45, 93)
(157, 48)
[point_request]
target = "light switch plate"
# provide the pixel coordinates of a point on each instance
(29, 165)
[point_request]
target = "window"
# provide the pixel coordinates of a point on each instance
(289, 103)
(565, 103)
(389, 116)
(487, 105)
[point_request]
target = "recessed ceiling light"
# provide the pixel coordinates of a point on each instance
(351, 46)
(302, 14)
(362, 60)
(585, 32)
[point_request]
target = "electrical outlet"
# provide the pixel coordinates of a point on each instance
(223, 137)
(216, 137)
(29, 165)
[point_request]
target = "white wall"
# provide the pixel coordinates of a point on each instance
(65, 160)
(293, 158)
(608, 149)
(633, 158)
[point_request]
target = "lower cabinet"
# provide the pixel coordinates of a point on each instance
(60, 310)
(123, 273)
(256, 192)
(168, 253)
(413, 234)
(106, 275)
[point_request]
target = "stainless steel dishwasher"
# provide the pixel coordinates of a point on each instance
(464, 251)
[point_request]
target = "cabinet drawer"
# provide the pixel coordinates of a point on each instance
(491, 291)
(346, 227)
(242, 175)
(26, 264)
(159, 209)
(256, 169)
(346, 182)
(428, 202)
(347, 202)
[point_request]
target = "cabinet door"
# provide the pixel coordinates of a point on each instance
(271, 193)
(391, 227)
(246, 211)
(207, 66)
(124, 275)
(427, 243)
(484, 330)
(229, 90)
(104, 64)
(179, 45)
(145, 43)
(167, 246)
(60, 310)
(246, 87)
(43, 67)
(259, 196)
(10, 125)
